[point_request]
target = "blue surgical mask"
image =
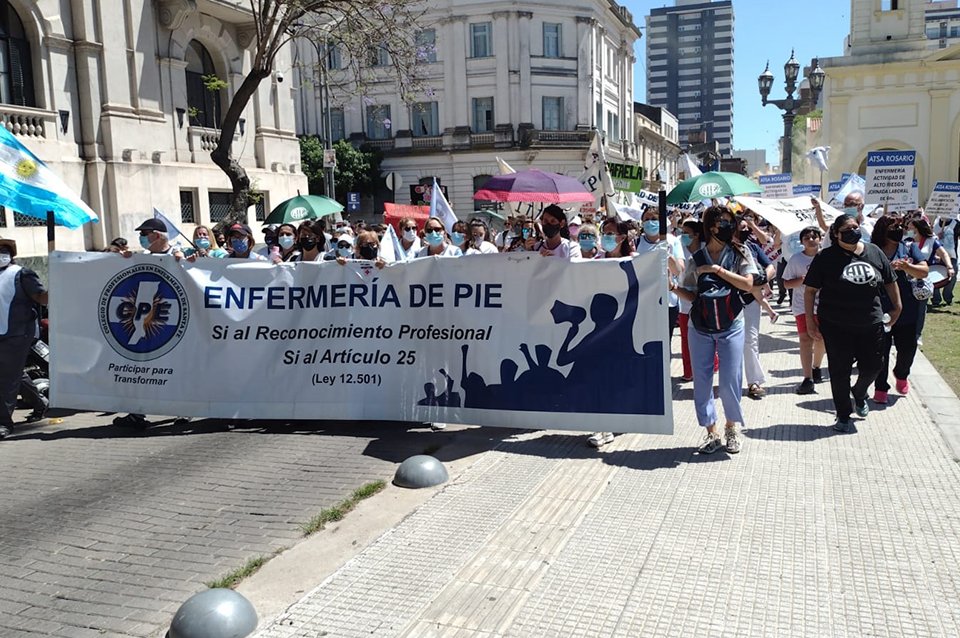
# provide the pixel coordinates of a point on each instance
(910, 234)
(345, 251)
(239, 245)
(202, 243)
(145, 241)
(286, 241)
(796, 245)
(587, 243)
(651, 227)
(457, 238)
(526, 233)
(851, 210)
(608, 243)
(5, 260)
(686, 240)
(434, 238)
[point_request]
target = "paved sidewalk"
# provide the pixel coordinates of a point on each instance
(805, 533)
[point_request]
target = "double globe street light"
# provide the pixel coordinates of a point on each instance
(789, 105)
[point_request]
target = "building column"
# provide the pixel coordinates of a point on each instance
(940, 166)
(837, 108)
(174, 83)
(526, 91)
(501, 107)
(584, 72)
(457, 77)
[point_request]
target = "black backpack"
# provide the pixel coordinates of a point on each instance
(718, 302)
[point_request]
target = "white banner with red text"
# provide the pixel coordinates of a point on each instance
(501, 340)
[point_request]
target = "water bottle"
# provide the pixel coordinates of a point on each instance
(274, 252)
(886, 322)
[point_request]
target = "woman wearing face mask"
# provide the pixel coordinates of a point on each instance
(311, 242)
(848, 276)
(367, 249)
(205, 245)
(649, 240)
(811, 350)
(589, 240)
(409, 240)
(286, 242)
(240, 239)
(614, 239)
(691, 231)
(556, 242)
(458, 235)
(436, 241)
(918, 231)
(526, 237)
(716, 276)
(478, 244)
(907, 261)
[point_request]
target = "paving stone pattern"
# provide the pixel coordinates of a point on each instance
(805, 533)
(105, 532)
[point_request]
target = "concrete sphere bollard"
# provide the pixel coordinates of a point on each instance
(420, 471)
(215, 613)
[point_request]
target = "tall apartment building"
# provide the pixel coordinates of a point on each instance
(690, 67)
(942, 19)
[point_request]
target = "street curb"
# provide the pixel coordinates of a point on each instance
(939, 399)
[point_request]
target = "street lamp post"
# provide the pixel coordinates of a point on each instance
(789, 105)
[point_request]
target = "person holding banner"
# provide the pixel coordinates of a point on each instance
(716, 276)
(241, 242)
(409, 240)
(556, 242)
(20, 292)
(908, 262)
(650, 240)
(367, 249)
(205, 245)
(436, 242)
(588, 238)
(945, 228)
(811, 350)
(615, 238)
(848, 315)
(312, 243)
(479, 244)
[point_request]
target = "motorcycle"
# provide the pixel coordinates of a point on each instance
(35, 382)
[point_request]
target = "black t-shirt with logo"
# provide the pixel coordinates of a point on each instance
(850, 284)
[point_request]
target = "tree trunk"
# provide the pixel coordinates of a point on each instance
(222, 156)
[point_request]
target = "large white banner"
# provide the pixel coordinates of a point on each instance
(790, 216)
(503, 340)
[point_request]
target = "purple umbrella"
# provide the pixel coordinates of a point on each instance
(534, 186)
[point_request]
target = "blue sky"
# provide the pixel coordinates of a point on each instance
(763, 29)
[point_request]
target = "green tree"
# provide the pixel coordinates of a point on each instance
(355, 26)
(358, 169)
(311, 163)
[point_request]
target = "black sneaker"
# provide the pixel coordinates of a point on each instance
(5, 431)
(861, 406)
(843, 426)
(806, 387)
(817, 375)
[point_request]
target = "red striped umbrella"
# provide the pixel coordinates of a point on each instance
(534, 186)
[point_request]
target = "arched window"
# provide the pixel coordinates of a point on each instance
(16, 67)
(203, 104)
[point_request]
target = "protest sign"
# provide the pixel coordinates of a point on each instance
(850, 184)
(889, 179)
(806, 189)
(626, 177)
(505, 340)
(944, 200)
(790, 216)
(776, 186)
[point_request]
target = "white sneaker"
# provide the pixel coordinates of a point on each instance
(436, 427)
(599, 439)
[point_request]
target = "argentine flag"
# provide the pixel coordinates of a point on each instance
(29, 187)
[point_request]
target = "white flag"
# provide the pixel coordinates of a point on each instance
(390, 250)
(690, 167)
(440, 208)
(819, 157)
(595, 175)
(172, 231)
(505, 169)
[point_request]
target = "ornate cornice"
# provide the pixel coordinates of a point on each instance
(172, 13)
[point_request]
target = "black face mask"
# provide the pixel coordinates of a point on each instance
(895, 234)
(850, 236)
(744, 235)
(551, 230)
(308, 243)
(368, 252)
(724, 231)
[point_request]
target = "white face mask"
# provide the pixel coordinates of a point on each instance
(5, 260)
(409, 235)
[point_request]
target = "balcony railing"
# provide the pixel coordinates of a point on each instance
(29, 122)
(482, 139)
(432, 141)
(537, 137)
(380, 145)
(202, 141)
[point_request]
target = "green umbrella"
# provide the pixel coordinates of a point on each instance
(303, 207)
(710, 185)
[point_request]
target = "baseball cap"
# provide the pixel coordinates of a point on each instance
(153, 225)
(239, 228)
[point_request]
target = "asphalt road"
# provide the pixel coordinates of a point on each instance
(106, 531)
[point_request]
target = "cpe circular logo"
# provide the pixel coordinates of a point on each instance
(143, 312)
(709, 190)
(298, 213)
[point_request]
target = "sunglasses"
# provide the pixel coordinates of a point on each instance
(434, 230)
(410, 228)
